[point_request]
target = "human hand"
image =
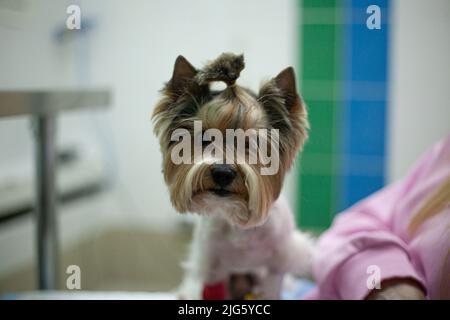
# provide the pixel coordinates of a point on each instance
(398, 289)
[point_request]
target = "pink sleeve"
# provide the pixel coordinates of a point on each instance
(365, 235)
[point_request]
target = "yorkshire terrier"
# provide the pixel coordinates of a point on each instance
(246, 229)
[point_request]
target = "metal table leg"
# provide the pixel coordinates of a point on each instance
(44, 132)
(43, 106)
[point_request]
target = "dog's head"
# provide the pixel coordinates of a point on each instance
(226, 152)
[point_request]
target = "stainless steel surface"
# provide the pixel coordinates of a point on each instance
(44, 106)
(45, 209)
(13, 103)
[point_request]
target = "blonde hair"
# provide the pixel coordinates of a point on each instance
(432, 205)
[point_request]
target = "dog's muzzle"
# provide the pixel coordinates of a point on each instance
(222, 175)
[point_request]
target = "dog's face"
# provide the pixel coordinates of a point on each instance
(208, 183)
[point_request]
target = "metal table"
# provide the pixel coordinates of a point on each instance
(43, 107)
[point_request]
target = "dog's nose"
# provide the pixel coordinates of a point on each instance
(222, 174)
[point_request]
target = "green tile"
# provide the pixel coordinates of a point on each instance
(320, 59)
(322, 90)
(316, 201)
(318, 52)
(321, 118)
(318, 3)
(338, 126)
(319, 16)
(311, 163)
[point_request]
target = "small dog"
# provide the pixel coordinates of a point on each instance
(246, 227)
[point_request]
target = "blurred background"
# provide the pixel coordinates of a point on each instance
(377, 99)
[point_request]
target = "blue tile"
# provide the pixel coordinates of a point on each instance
(365, 127)
(365, 60)
(368, 46)
(356, 188)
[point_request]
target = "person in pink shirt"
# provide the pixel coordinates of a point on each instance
(395, 244)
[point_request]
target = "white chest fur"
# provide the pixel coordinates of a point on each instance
(272, 249)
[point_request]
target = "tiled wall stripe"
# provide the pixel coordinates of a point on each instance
(364, 111)
(343, 67)
(320, 34)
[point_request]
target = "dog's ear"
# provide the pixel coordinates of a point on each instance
(182, 77)
(285, 81)
(282, 103)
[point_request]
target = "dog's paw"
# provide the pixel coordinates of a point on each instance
(299, 253)
(189, 290)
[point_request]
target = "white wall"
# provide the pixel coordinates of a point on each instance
(131, 49)
(135, 48)
(420, 80)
